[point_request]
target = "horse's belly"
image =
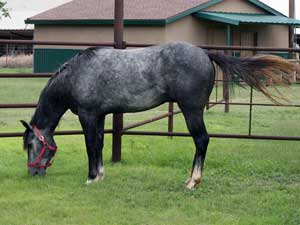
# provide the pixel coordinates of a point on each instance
(134, 103)
(142, 104)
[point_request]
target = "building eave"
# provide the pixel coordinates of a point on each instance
(192, 10)
(148, 22)
(128, 22)
(107, 22)
(247, 18)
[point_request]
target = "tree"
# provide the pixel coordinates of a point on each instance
(3, 10)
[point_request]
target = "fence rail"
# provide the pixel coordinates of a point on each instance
(137, 45)
(121, 130)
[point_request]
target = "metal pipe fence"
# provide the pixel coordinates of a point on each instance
(119, 129)
(137, 45)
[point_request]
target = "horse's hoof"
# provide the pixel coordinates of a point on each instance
(188, 180)
(191, 183)
(101, 177)
(98, 178)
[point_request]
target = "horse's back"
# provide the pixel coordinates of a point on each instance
(139, 79)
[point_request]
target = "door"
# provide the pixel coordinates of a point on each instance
(248, 38)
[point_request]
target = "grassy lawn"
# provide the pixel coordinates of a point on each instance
(245, 181)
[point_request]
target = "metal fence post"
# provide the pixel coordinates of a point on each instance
(292, 14)
(250, 111)
(225, 80)
(119, 44)
(6, 56)
(207, 105)
(226, 94)
(171, 117)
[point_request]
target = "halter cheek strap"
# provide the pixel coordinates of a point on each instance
(37, 162)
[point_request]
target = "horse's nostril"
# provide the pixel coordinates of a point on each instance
(32, 171)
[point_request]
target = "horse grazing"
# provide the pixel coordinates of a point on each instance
(99, 81)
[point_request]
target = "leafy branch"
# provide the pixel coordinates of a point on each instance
(4, 12)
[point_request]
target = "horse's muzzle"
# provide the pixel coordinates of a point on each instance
(36, 171)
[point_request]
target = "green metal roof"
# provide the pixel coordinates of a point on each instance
(237, 18)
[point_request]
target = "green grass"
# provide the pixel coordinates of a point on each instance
(16, 70)
(245, 181)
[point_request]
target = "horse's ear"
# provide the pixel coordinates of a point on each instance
(26, 125)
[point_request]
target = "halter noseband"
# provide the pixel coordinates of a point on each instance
(37, 162)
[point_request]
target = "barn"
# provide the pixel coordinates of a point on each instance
(200, 22)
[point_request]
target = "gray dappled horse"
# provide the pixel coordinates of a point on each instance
(100, 81)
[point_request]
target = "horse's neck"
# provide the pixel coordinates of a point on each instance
(47, 113)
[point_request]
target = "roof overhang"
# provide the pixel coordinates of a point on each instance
(246, 18)
(127, 22)
(108, 22)
(152, 22)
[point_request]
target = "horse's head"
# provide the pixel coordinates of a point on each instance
(40, 147)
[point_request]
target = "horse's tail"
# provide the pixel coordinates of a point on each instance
(256, 71)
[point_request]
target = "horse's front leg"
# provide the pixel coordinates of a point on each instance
(93, 129)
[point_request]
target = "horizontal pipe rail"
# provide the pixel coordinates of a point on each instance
(136, 45)
(212, 104)
(33, 105)
(224, 47)
(49, 75)
(26, 75)
(18, 106)
(229, 136)
(254, 104)
(67, 43)
(240, 82)
(249, 48)
(169, 134)
(69, 132)
(144, 122)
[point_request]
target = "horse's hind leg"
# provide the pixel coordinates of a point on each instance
(100, 142)
(93, 128)
(196, 126)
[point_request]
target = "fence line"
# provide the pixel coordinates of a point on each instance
(137, 45)
(126, 129)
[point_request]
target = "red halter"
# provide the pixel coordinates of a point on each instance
(37, 162)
